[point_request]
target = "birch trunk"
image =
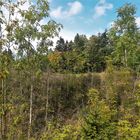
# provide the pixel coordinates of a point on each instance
(30, 112)
(47, 101)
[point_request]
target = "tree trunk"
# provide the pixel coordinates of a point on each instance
(2, 107)
(125, 55)
(4, 113)
(30, 112)
(47, 102)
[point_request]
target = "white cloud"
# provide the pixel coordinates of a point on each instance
(138, 21)
(101, 8)
(57, 13)
(74, 9)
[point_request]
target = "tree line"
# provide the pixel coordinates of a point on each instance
(120, 44)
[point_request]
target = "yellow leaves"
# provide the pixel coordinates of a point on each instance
(38, 73)
(54, 57)
(17, 120)
(4, 74)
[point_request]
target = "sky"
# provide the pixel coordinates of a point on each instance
(87, 16)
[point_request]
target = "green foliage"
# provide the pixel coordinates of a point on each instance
(82, 55)
(44, 91)
(98, 119)
(128, 131)
(67, 132)
(124, 36)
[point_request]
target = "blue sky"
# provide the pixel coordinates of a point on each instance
(86, 16)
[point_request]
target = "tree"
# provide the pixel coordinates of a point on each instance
(80, 41)
(18, 31)
(97, 50)
(125, 36)
(98, 123)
